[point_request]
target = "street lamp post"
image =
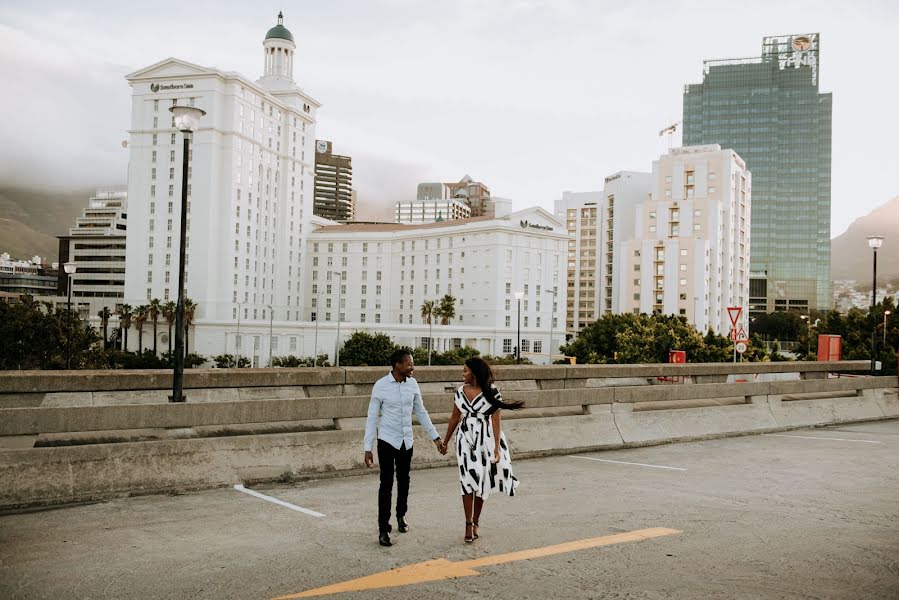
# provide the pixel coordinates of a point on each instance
(271, 333)
(70, 269)
(337, 341)
(187, 120)
(518, 297)
(237, 349)
(552, 316)
(318, 309)
(874, 242)
(430, 334)
(886, 313)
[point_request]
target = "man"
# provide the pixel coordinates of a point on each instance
(394, 397)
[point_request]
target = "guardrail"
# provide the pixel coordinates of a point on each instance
(90, 435)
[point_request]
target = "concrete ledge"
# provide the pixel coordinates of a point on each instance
(806, 413)
(696, 423)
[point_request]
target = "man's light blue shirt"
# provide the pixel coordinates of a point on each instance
(395, 401)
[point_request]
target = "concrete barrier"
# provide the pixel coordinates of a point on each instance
(295, 430)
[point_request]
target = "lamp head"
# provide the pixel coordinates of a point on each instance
(875, 241)
(70, 268)
(519, 295)
(187, 118)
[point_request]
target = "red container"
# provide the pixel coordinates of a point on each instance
(677, 356)
(830, 347)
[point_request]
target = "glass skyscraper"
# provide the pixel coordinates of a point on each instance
(768, 109)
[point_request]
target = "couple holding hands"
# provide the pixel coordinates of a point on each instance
(481, 450)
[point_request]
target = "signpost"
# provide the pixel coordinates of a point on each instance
(734, 313)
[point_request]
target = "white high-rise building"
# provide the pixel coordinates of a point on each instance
(598, 222)
(689, 254)
(430, 211)
(250, 187)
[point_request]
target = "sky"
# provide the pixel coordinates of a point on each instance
(530, 97)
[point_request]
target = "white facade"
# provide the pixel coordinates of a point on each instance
(97, 246)
(429, 211)
(381, 274)
(250, 188)
(689, 254)
(598, 222)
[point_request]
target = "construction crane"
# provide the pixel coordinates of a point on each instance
(670, 131)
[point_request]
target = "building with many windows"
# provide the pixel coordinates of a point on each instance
(250, 183)
(378, 276)
(473, 193)
(689, 251)
(430, 211)
(769, 110)
(334, 198)
(31, 277)
(597, 223)
(96, 244)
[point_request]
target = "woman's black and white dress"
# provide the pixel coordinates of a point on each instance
(475, 442)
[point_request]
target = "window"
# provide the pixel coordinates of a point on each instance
(508, 321)
(525, 345)
(508, 288)
(507, 346)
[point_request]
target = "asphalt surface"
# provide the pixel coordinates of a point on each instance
(760, 517)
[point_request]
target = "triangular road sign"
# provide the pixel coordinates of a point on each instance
(734, 313)
(741, 335)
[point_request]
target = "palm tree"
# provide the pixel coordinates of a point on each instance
(104, 319)
(125, 313)
(140, 317)
(168, 311)
(447, 309)
(428, 312)
(154, 309)
(190, 311)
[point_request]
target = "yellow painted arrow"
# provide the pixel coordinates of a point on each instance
(440, 568)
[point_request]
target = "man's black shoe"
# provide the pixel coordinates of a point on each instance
(384, 539)
(402, 525)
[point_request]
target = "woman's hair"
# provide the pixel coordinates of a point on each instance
(483, 374)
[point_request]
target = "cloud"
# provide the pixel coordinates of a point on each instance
(65, 117)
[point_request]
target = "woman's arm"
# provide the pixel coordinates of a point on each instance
(451, 425)
(494, 419)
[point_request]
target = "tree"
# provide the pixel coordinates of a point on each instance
(229, 361)
(365, 349)
(153, 311)
(104, 315)
(169, 310)
(125, 313)
(140, 317)
(428, 312)
(34, 335)
(190, 311)
(446, 310)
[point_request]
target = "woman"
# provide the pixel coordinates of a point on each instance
(481, 449)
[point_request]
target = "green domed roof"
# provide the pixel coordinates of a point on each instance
(279, 31)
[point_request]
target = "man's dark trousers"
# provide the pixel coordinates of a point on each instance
(393, 461)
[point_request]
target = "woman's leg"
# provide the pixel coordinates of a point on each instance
(468, 506)
(476, 516)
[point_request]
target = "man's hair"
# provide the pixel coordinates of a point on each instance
(398, 356)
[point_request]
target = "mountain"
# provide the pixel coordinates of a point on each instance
(30, 220)
(850, 255)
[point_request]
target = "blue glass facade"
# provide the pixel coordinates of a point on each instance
(769, 110)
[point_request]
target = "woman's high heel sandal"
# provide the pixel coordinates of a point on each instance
(469, 536)
(474, 529)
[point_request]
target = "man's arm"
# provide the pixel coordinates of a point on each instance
(371, 424)
(423, 418)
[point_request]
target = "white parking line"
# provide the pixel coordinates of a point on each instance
(815, 437)
(241, 488)
(621, 462)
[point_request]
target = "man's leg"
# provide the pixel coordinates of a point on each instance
(403, 466)
(386, 457)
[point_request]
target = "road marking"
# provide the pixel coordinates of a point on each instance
(241, 488)
(441, 568)
(815, 437)
(621, 462)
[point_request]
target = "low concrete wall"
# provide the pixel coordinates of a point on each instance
(295, 436)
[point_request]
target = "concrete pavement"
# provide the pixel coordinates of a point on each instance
(807, 514)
